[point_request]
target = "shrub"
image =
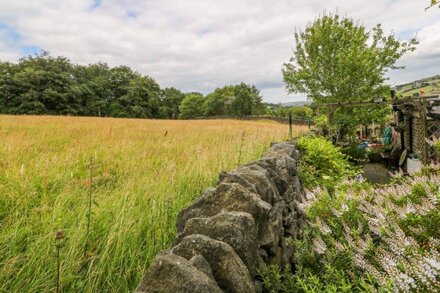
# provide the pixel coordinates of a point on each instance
(355, 153)
(364, 239)
(322, 163)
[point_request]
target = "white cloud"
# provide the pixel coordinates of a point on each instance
(199, 44)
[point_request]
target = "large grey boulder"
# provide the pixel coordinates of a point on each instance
(256, 179)
(172, 273)
(285, 148)
(235, 228)
(269, 164)
(193, 210)
(202, 265)
(284, 165)
(228, 269)
(227, 197)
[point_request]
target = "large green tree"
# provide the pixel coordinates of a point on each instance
(42, 85)
(143, 98)
(219, 101)
(191, 106)
(8, 88)
(93, 87)
(170, 101)
(340, 64)
(247, 100)
(241, 100)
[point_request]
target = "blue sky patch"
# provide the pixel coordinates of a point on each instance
(30, 50)
(9, 33)
(132, 14)
(95, 4)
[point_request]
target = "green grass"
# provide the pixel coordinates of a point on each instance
(145, 171)
(430, 84)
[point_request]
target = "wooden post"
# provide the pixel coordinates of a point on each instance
(290, 125)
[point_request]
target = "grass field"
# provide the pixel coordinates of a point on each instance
(428, 85)
(142, 173)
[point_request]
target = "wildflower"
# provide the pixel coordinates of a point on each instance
(310, 196)
(319, 245)
(338, 245)
(337, 213)
(433, 263)
(323, 227)
(405, 282)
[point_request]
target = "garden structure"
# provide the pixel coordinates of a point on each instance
(417, 123)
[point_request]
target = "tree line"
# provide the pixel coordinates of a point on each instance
(46, 85)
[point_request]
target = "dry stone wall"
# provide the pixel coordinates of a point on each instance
(234, 229)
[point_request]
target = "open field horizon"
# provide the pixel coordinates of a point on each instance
(143, 173)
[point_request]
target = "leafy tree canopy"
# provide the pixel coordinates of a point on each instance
(192, 106)
(43, 84)
(240, 100)
(338, 63)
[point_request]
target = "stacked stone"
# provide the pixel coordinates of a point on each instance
(234, 229)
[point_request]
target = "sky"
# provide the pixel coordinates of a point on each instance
(198, 45)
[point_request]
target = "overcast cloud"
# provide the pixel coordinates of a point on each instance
(198, 45)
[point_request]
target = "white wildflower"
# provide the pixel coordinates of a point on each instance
(319, 245)
(323, 227)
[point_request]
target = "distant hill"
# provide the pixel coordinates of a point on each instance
(428, 85)
(295, 104)
(288, 104)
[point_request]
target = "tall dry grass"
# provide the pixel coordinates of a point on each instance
(144, 172)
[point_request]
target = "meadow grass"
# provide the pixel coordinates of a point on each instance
(143, 173)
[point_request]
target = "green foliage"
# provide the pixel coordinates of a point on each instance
(338, 60)
(144, 173)
(142, 98)
(354, 153)
(244, 98)
(239, 100)
(192, 106)
(304, 113)
(43, 84)
(329, 280)
(322, 163)
(219, 101)
(367, 239)
(170, 102)
(437, 146)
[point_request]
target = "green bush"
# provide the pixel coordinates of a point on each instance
(355, 154)
(322, 163)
